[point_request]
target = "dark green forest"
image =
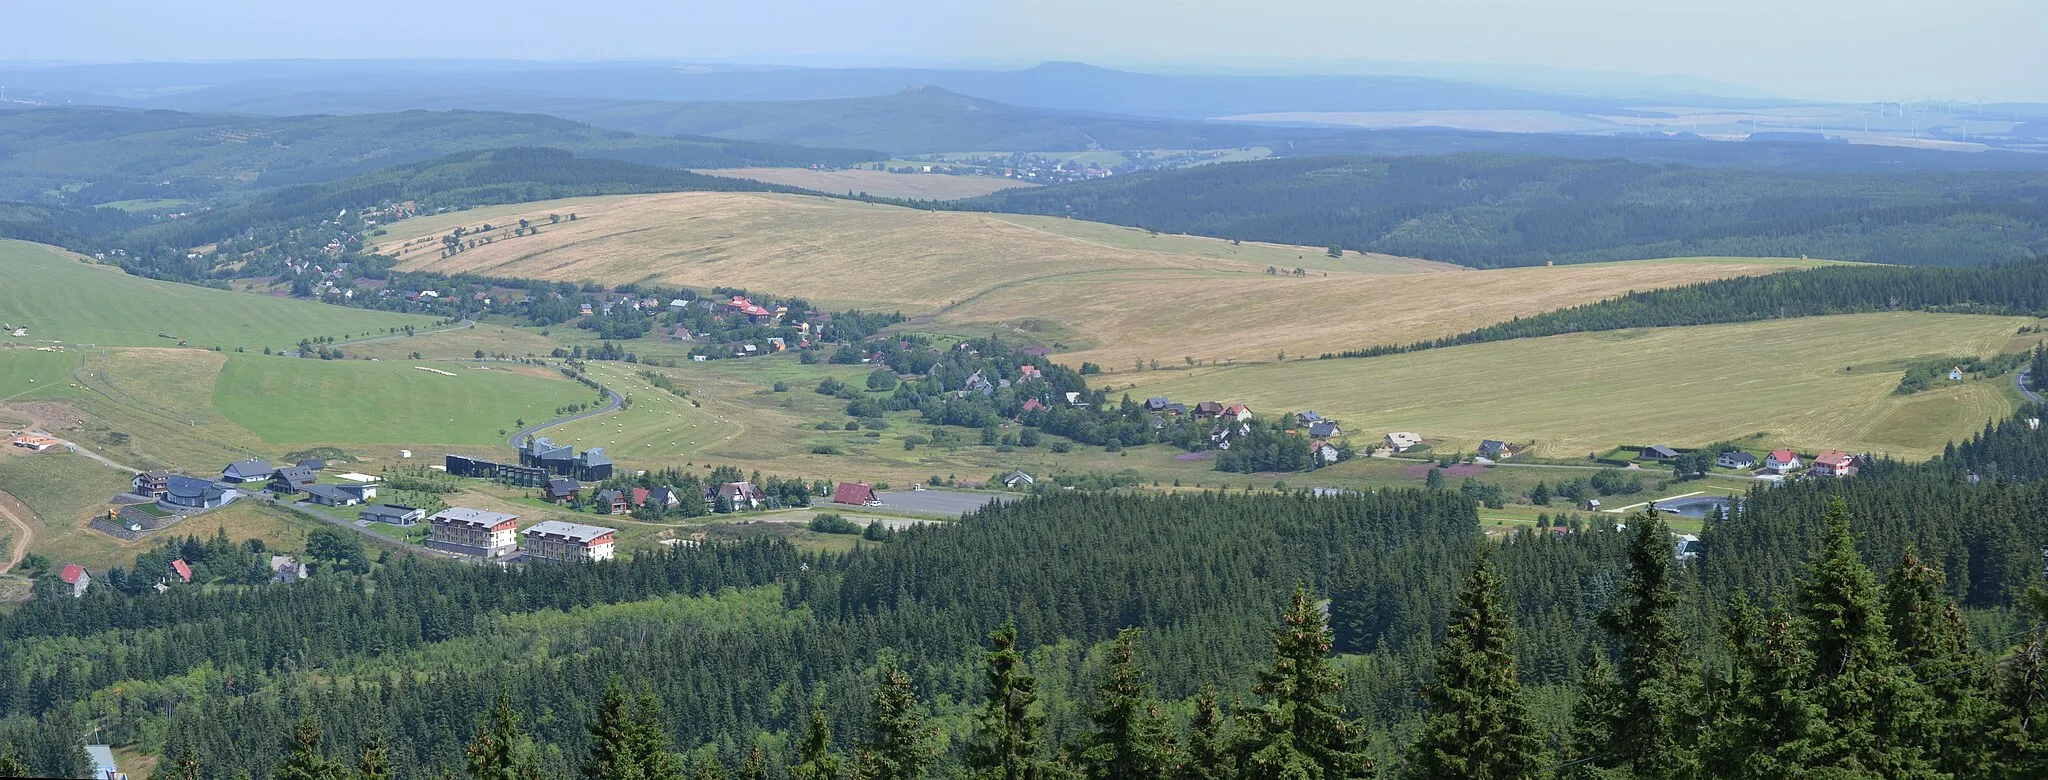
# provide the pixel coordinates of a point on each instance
(2017, 288)
(87, 156)
(1493, 210)
(1875, 627)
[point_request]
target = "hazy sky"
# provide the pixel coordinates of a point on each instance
(1834, 49)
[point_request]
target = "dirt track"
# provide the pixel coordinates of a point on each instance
(23, 523)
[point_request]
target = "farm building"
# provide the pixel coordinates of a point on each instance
(393, 514)
(247, 471)
(855, 493)
(1402, 441)
(1736, 459)
(474, 532)
(1657, 452)
(561, 542)
(1018, 479)
(1834, 463)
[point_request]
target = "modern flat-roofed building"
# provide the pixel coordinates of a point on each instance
(554, 540)
(476, 532)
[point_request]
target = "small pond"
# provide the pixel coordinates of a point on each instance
(1695, 506)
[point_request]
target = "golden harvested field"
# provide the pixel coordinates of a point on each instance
(1103, 293)
(881, 184)
(1792, 379)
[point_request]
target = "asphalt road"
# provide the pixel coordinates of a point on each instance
(616, 402)
(2024, 381)
(937, 503)
(465, 323)
(375, 539)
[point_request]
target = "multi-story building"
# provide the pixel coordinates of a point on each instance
(476, 532)
(562, 542)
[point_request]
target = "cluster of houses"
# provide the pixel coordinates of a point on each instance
(283, 569)
(496, 536)
(1829, 463)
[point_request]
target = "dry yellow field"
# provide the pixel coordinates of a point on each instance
(1105, 294)
(881, 184)
(1811, 383)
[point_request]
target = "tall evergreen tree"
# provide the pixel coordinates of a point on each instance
(1656, 682)
(1300, 733)
(500, 751)
(1478, 726)
(11, 764)
(1766, 724)
(306, 762)
(1876, 712)
(2019, 723)
(899, 746)
(615, 749)
(651, 742)
(1208, 754)
(1932, 641)
(1595, 709)
(755, 767)
(375, 761)
(180, 762)
(1005, 744)
(1129, 739)
(815, 759)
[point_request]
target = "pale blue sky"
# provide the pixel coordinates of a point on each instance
(1831, 49)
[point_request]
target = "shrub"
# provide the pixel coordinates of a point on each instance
(825, 449)
(1060, 446)
(833, 523)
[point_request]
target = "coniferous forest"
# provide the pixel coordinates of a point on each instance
(1885, 626)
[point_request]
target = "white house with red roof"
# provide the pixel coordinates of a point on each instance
(75, 576)
(1238, 413)
(1834, 463)
(1783, 461)
(183, 570)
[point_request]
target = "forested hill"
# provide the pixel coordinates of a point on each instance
(89, 155)
(1486, 210)
(2019, 287)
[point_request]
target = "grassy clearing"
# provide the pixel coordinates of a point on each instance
(1099, 293)
(1680, 386)
(60, 296)
(295, 401)
(881, 184)
(27, 373)
(66, 491)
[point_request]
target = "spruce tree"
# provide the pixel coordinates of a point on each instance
(1129, 739)
(306, 762)
(651, 742)
(1595, 708)
(179, 762)
(1928, 632)
(500, 751)
(1005, 744)
(815, 760)
(755, 767)
(375, 761)
(614, 741)
(11, 764)
(1656, 681)
(1208, 754)
(1300, 733)
(1478, 726)
(2019, 723)
(1878, 715)
(899, 745)
(1766, 725)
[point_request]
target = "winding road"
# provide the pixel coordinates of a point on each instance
(16, 514)
(617, 402)
(2024, 381)
(464, 324)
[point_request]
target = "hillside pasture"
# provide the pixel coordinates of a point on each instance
(63, 297)
(881, 184)
(1792, 379)
(1097, 293)
(288, 401)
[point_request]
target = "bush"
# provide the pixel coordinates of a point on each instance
(1060, 446)
(832, 523)
(853, 425)
(825, 426)
(782, 387)
(825, 449)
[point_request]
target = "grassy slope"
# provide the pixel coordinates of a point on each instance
(60, 297)
(292, 402)
(66, 491)
(1679, 386)
(1101, 293)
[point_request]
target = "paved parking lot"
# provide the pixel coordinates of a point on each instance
(945, 503)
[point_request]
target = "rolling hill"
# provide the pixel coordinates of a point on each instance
(1098, 292)
(1488, 210)
(91, 156)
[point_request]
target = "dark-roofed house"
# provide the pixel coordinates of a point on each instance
(1017, 480)
(331, 495)
(152, 484)
(593, 465)
(312, 464)
(1208, 409)
(182, 492)
(560, 542)
(292, 479)
(394, 514)
(1736, 459)
(247, 471)
(1657, 452)
(665, 498)
(75, 576)
(563, 489)
(474, 532)
(1324, 430)
(1309, 417)
(1157, 403)
(742, 495)
(1495, 449)
(855, 493)
(611, 502)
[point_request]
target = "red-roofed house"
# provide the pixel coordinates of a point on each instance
(1028, 371)
(855, 493)
(1834, 463)
(1782, 461)
(75, 576)
(1032, 405)
(639, 497)
(183, 570)
(1237, 413)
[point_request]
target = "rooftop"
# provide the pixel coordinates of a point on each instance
(468, 516)
(577, 532)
